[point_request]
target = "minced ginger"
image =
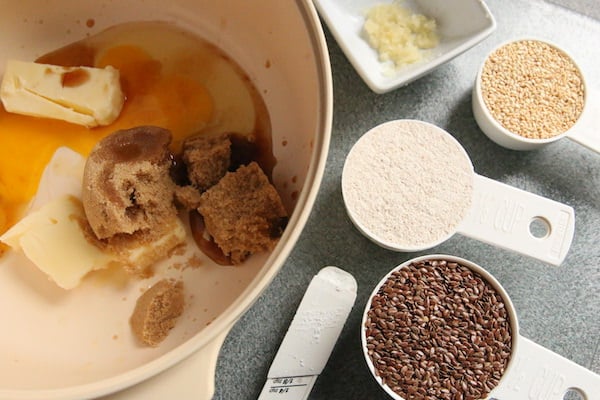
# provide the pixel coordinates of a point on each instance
(398, 34)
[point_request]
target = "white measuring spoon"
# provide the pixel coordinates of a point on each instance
(491, 212)
(533, 372)
(586, 131)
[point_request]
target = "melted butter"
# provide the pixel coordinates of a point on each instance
(170, 78)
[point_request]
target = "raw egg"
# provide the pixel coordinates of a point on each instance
(170, 78)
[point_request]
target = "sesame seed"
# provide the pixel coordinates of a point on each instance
(532, 89)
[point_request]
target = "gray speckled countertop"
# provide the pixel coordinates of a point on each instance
(558, 307)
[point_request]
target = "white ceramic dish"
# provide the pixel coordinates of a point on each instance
(461, 24)
(77, 344)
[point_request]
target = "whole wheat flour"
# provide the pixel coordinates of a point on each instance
(408, 183)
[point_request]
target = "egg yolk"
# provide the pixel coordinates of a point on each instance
(153, 97)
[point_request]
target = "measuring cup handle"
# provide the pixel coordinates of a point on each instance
(193, 377)
(538, 373)
(587, 130)
(503, 215)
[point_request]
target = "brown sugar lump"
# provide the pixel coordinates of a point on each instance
(187, 197)
(126, 184)
(128, 197)
(243, 213)
(156, 311)
(207, 158)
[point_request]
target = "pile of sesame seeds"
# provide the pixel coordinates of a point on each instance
(532, 89)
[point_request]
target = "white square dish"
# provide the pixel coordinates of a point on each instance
(461, 25)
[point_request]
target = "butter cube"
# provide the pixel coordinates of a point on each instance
(62, 176)
(52, 238)
(143, 254)
(80, 95)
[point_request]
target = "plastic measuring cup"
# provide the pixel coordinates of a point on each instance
(495, 213)
(532, 371)
(585, 131)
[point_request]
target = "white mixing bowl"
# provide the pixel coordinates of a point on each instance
(72, 345)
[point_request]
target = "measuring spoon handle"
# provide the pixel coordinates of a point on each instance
(539, 373)
(502, 215)
(587, 130)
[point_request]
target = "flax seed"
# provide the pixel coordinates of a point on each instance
(463, 348)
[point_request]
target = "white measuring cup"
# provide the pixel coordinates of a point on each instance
(497, 213)
(585, 131)
(532, 372)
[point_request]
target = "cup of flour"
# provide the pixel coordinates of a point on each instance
(408, 185)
